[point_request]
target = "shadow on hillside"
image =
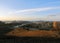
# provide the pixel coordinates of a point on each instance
(3, 31)
(13, 39)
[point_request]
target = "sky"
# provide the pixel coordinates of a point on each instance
(30, 10)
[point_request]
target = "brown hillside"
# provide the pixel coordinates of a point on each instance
(35, 33)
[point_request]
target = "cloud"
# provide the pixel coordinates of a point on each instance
(53, 17)
(19, 14)
(34, 10)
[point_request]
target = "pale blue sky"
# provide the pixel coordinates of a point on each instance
(30, 10)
